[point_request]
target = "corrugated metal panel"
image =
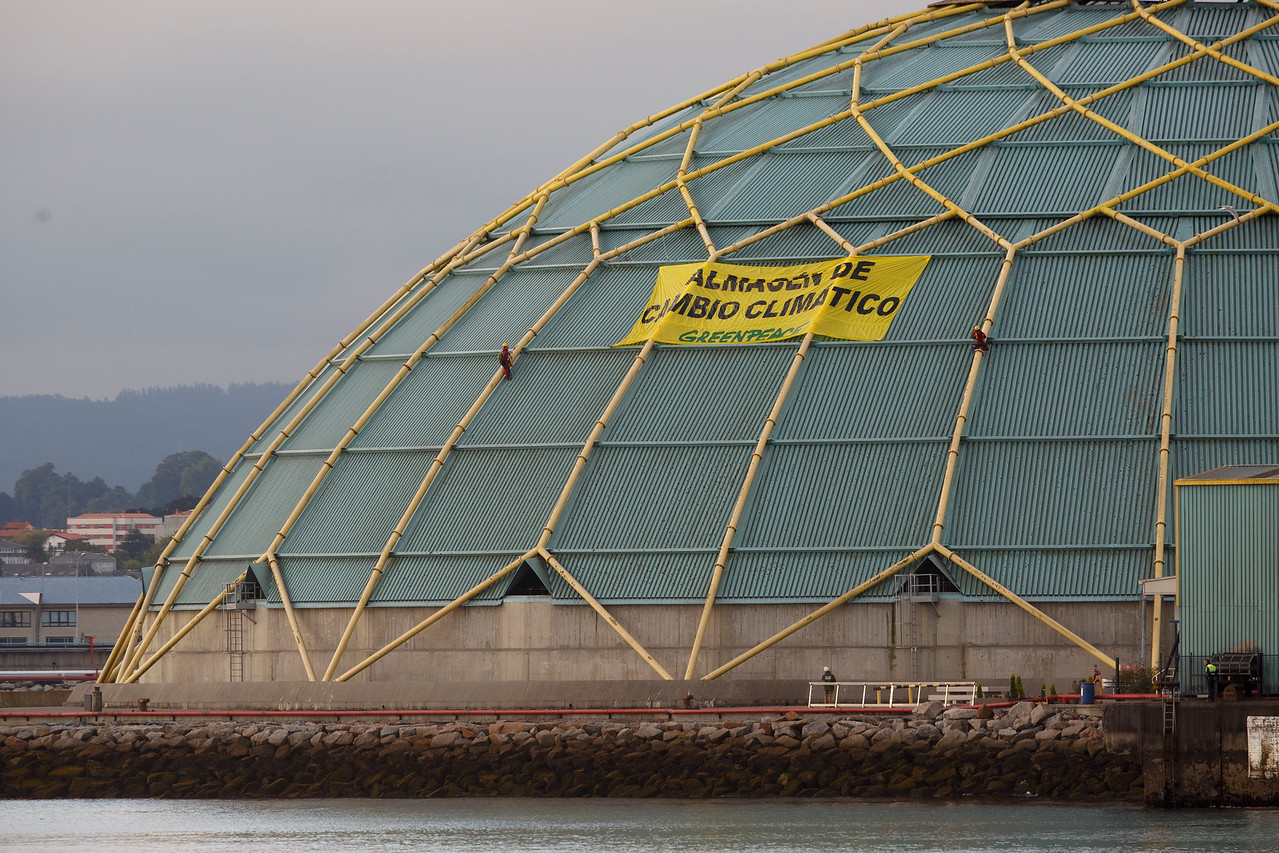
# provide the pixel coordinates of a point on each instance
(1100, 64)
(951, 237)
(1071, 126)
(1072, 19)
(779, 576)
(1037, 575)
(1231, 294)
(1228, 568)
(342, 406)
(603, 310)
(1208, 24)
(809, 66)
(800, 242)
(896, 199)
(576, 251)
(489, 500)
(706, 393)
(787, 185)
(933, 61)
(847, 133)
(764, 121)
(1140, 30)
(439, 580)
(507, 311)
(1207, 69)
(555, 397)
(881, 496)
(262, 512)
(273, 432)
(1258, 234)
(1070, 296)
(1192, 113)
(1234, 472)
(662, 126)
(806, 241)
(1192, 455)
(672, 146)
(957, 117)
(900, 198)
(653, 497)
(847, 391)
(201, 526)
(208, 581)
(950, 297)
(1038, 180)
(923, 29)
(1070, 389)
(685, 244)
(1263, 54)
(643, 578)
(408, 335)
(1094, 494)
(319, 581)
(425, 407)
(609, 188)
(359, 503)
(1227, 388)
(1098, 234)
(991, 34)
(1003, 75)
(840, 82)
(706, 192)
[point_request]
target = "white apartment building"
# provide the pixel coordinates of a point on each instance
(108, 529)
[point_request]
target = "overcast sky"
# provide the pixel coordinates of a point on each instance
(219, 191)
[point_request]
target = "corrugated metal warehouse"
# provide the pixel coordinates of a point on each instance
(1228, 571)
(1093, 187)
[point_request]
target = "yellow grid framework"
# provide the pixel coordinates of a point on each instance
(873, 43)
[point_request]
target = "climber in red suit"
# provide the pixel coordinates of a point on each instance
(505, 360)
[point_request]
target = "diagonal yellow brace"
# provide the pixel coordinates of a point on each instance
(1028, 607)
(603, 613)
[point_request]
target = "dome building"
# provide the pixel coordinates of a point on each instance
(741, 487)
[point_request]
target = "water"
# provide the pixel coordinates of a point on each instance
(517, 825)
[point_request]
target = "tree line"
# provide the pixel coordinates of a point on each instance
(47, 499)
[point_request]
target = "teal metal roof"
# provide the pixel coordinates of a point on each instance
(1057, 469)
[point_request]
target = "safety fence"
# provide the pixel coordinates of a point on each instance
(869, 694)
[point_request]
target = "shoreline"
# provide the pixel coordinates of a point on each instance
(1050, 752)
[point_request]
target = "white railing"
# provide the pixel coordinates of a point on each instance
(889, 694)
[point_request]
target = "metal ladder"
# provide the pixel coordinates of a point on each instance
(1172, 748)
(233, 623)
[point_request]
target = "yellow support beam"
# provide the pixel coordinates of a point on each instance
(1025, 605)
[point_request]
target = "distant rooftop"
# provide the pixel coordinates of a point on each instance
(60, 591)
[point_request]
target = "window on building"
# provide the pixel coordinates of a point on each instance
(15, 619)
(59, 639)
(57, 618)
(13, 641)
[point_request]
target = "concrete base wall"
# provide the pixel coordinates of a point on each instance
(1203, 761)
(535, 640)
(381, 696)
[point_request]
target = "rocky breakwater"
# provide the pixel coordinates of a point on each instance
(1027, 750)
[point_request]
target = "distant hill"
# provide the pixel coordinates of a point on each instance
(122, 440)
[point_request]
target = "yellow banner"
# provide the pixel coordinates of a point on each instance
(854, 299)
